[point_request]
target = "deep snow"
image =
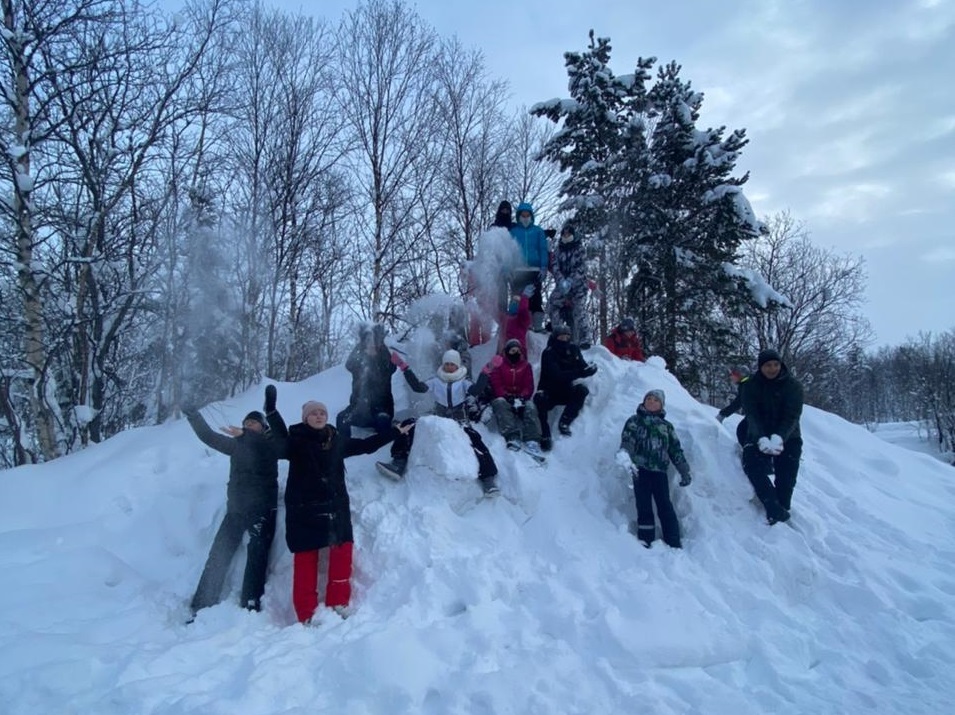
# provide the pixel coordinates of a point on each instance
(537, 602)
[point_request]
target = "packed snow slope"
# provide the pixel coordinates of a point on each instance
(537, 602)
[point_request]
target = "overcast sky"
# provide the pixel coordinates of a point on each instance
(848, 105)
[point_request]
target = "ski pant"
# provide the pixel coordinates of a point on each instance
(651, 488)
(573, 315)
(574, 401)
(313, 572)
(521, 423)
(261, 528)
(401, 448)
(759, 466)
(348, 418)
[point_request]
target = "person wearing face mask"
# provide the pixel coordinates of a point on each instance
(772, 402)
(535, 257)
(318, 527)
(568, 301)
(511, 380)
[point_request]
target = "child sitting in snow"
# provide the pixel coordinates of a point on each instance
(452, 399)
(647, 446)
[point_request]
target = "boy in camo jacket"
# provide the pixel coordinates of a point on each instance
(647, 446)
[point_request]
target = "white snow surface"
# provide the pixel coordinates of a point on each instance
(539, 601)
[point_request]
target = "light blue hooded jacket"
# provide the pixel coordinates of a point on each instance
(532, 241)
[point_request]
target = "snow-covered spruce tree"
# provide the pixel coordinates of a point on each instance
(598, 125)
(688, 221)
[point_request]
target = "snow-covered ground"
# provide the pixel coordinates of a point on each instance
(538, 602)
(910, 435)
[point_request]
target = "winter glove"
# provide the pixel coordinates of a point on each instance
(495, 362)
(685, 479)
(271, 394)
(528, 290)
(550, 232)
(589, 370)
(397, 361)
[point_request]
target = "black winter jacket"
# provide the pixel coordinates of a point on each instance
(317, 508)
(561, 364)
(253, 464)
(371, 384)
(772, 406)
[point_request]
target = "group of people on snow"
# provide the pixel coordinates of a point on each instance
(318, 523)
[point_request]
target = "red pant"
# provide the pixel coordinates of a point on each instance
(309, 568)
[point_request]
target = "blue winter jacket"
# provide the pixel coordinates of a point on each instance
(532, 241)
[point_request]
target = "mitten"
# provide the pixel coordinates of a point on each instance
(550, 232)
(271, 395)
(776, 444)
(398, 362)
(495, 362)
(528, 290)
(589, 370)
(685, 479)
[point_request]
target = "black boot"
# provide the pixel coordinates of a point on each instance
(564, 428)
(395, 469)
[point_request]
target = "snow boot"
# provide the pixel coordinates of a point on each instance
(547, 444)
(514, 444)
(534, 449)
(775, 513)
(564, 428)
(395, 469)
(489, 486)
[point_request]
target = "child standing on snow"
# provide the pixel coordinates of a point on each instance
(647, 446)
(318, 527)
(451, 390)
(251, 506)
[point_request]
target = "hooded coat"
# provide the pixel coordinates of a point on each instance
(512, 379)
(531, 240)
(651, 441)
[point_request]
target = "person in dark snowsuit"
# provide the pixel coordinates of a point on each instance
(568, 301)
(561, 365)
(250, 507)
(648, 445)
(318, 526)
(454, 399)
(624, 342)
(371, 404)
(738, 377)
(535, 256)
(772, 404)
(504, 218)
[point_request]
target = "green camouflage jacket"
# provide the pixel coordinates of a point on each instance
(651, 442)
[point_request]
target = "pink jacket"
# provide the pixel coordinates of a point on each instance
(512, 379)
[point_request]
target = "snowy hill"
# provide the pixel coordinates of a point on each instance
(537, 602)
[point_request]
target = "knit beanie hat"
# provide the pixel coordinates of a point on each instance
(310, 407)
(452, 356)
(626, 325)
(560, 330)
(767, 355)
(659, 394)
(256, 416)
